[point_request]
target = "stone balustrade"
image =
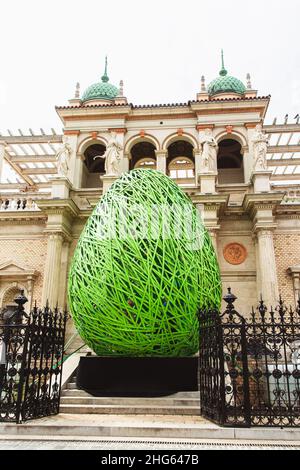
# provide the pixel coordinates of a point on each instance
(17, 203)
(292, 196)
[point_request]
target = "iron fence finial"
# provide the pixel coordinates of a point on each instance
(230, 298)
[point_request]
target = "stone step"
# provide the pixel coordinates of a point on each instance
(139, 427)
(130, 410)
(73, 391)
(128, 401)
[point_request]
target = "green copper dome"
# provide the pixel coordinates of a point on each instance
(225, 83)
(102, 90)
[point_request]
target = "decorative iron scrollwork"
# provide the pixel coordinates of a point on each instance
(250, 366)
(31, 356)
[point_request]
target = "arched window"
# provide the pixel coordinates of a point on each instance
(230, 162)
(143, 156)
(181, 168)
(181, 162)
(146, 163)
(92, 169)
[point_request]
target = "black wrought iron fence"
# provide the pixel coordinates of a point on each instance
(250, 366)
(31, 357)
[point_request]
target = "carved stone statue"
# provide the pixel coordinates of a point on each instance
(260, 148)
(209, 151)
(62, 157)
(112, 156)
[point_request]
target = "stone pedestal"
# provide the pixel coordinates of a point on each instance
(60, 187)
(207, 183)
(107, 181)
(137, 376)
(261, 181)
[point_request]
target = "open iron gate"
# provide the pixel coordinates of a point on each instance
(250, 367)
(31, 358)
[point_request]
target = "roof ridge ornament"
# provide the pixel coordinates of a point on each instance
(77, 91)
(105, 77)
(223, 71)
(121, 89)
(249, 84)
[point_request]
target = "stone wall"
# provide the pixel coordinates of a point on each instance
(287, 253)
(30, 254)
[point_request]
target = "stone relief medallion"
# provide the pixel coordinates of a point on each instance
(235, 253)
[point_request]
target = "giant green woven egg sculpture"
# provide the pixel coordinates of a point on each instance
(143, 266)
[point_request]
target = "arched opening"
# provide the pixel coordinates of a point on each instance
(92, 169)
(9, 296)
(230, 162)
(146, 163)
(143, 156)
(181, 162)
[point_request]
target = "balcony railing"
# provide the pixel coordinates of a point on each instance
(13, 204)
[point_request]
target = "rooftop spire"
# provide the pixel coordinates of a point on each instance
(104, 77)
(223, 71)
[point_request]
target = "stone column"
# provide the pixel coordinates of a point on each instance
(247, 163)
(52, 269)
(2, 152)
(62, 291)
(161, 160)
(197, 156)
(124, 166)
(267, 267)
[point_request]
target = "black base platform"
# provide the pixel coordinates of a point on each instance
(142, 376)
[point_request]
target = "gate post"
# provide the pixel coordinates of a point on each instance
(246, 390)
(222, 391)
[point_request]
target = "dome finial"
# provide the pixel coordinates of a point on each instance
(77, 91)
(105, 78)
(223, 71)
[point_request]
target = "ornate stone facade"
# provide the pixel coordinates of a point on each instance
(254, 223)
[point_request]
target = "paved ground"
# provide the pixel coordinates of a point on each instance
(111, 444)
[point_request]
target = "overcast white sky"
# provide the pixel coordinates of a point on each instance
(160, 48)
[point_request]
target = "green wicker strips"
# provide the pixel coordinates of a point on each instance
(143, 265)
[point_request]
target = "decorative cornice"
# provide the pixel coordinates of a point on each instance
(71, 132)
(58, 206)
(262, 201)
(22, 217)
(118, 130)
(203, 127)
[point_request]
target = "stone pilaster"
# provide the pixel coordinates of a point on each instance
(52, 269)
(161, 161)
(248, 163)
(62, 291)
(294, 271)
(267, 267)
(197, 156)
(214, 238)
